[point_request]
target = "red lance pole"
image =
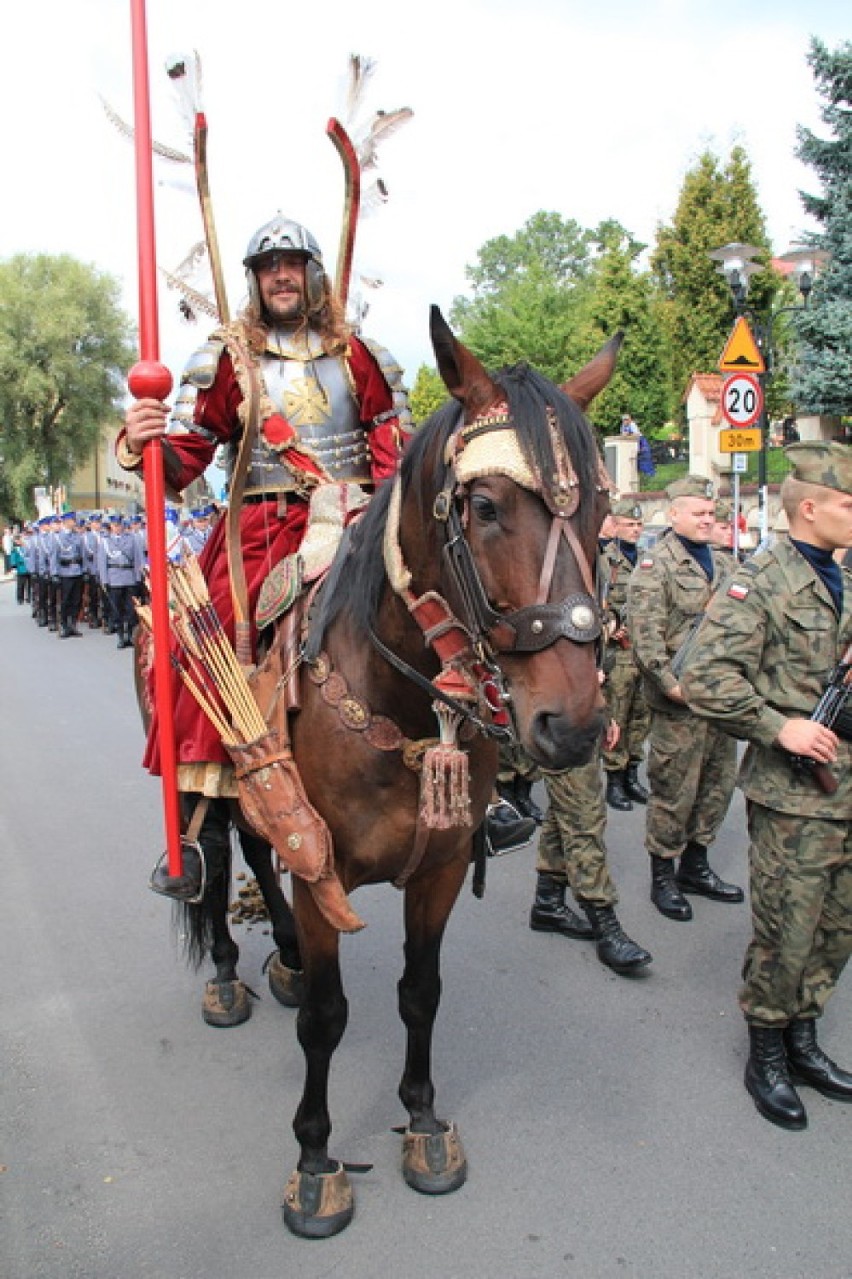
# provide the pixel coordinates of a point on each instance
(151, 378)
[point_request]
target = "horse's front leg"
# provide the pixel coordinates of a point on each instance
(433, 1160)
(317, 1198)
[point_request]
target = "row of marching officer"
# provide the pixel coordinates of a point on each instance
(85, 566)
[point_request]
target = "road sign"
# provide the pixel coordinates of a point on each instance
(737, 441)
(740, 463)
(741, 353)
(742, 400)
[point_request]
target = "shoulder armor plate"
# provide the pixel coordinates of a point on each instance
(200, 370)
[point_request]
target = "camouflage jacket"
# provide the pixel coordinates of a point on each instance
(667, 593)
(615, 569)
(763, 654)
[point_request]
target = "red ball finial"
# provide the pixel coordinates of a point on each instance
(149, 380)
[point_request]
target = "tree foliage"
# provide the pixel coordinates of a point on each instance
(427, 394)
(64, 354)
(718, 205)
(821, 380)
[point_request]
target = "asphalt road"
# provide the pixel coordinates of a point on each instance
(605, 1121)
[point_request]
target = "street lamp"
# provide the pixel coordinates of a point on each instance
(736, 262)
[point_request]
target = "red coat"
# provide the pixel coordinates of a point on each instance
(266, 536)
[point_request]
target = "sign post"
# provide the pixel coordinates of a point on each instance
(743, 405)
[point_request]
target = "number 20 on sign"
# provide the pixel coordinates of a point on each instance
(742, 399)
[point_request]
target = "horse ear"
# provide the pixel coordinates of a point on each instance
(463, 375)
(591, 380)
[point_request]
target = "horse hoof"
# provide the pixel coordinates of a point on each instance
(433, 1163)
(286, 984)
(225, 1003)
(318, 1205)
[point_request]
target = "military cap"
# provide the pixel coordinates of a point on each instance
(822, 462)
(68, 515)
(723, 512)
(690, 486)
(627, 508)
(115, 518)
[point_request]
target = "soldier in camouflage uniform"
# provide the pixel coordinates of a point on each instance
(757, 670)
(691, 764)
(572, 854)
(623, 687)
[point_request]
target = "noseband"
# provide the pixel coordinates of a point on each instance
(529, 629)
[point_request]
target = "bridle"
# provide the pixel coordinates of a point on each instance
(468, 645)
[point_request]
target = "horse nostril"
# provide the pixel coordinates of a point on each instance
(558, 742)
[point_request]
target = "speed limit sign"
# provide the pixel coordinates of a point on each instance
(742, 399)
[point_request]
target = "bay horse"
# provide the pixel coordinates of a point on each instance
(465, 594)
(473, 571)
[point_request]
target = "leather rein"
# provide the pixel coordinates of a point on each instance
(468, 647)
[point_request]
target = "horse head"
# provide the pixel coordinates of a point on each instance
(521, 500)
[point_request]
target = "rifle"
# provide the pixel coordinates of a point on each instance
(828, 712)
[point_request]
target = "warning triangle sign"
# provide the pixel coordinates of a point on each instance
(741, 353)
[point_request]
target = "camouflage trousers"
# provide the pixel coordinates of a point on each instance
(801, 910)
(692, 768)
(571, 845)
(627, 706)
(515, 762)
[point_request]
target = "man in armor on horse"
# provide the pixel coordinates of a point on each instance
(328, 415)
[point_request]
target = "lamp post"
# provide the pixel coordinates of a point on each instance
(736, 262)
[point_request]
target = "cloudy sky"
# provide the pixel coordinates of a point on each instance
(589, 111)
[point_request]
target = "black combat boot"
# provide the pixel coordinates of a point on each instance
(616, 795)
(615, 949)
(505, 829)
(810, 1065)
(665, 894)
(695, 876)
(633, 787)
(524, 801)
(767, 1078)
(549, 913)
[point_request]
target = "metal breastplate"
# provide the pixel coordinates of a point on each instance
(313, 393)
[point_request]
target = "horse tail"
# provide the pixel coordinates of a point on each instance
(198, 924)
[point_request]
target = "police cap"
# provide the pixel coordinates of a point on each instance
(822, 462)
(690, 486)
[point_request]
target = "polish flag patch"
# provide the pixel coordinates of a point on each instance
(738, 591)
(648, 563)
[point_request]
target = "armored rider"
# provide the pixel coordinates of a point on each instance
(328, 415)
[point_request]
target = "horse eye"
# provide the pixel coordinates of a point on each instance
(484, 508)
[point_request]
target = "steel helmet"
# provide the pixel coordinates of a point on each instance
(282, 235)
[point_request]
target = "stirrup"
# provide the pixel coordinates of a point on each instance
(189, 887)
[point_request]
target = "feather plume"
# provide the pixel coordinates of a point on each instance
(191, 300)
(375, 196)
(127, 131)
(360, 73)
(184, 72)
(382, 125)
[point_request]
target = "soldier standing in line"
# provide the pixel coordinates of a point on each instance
(691, 763)
(623, 686)
(572, 854)
(66, 571)
(763, 656)
(120, 569)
